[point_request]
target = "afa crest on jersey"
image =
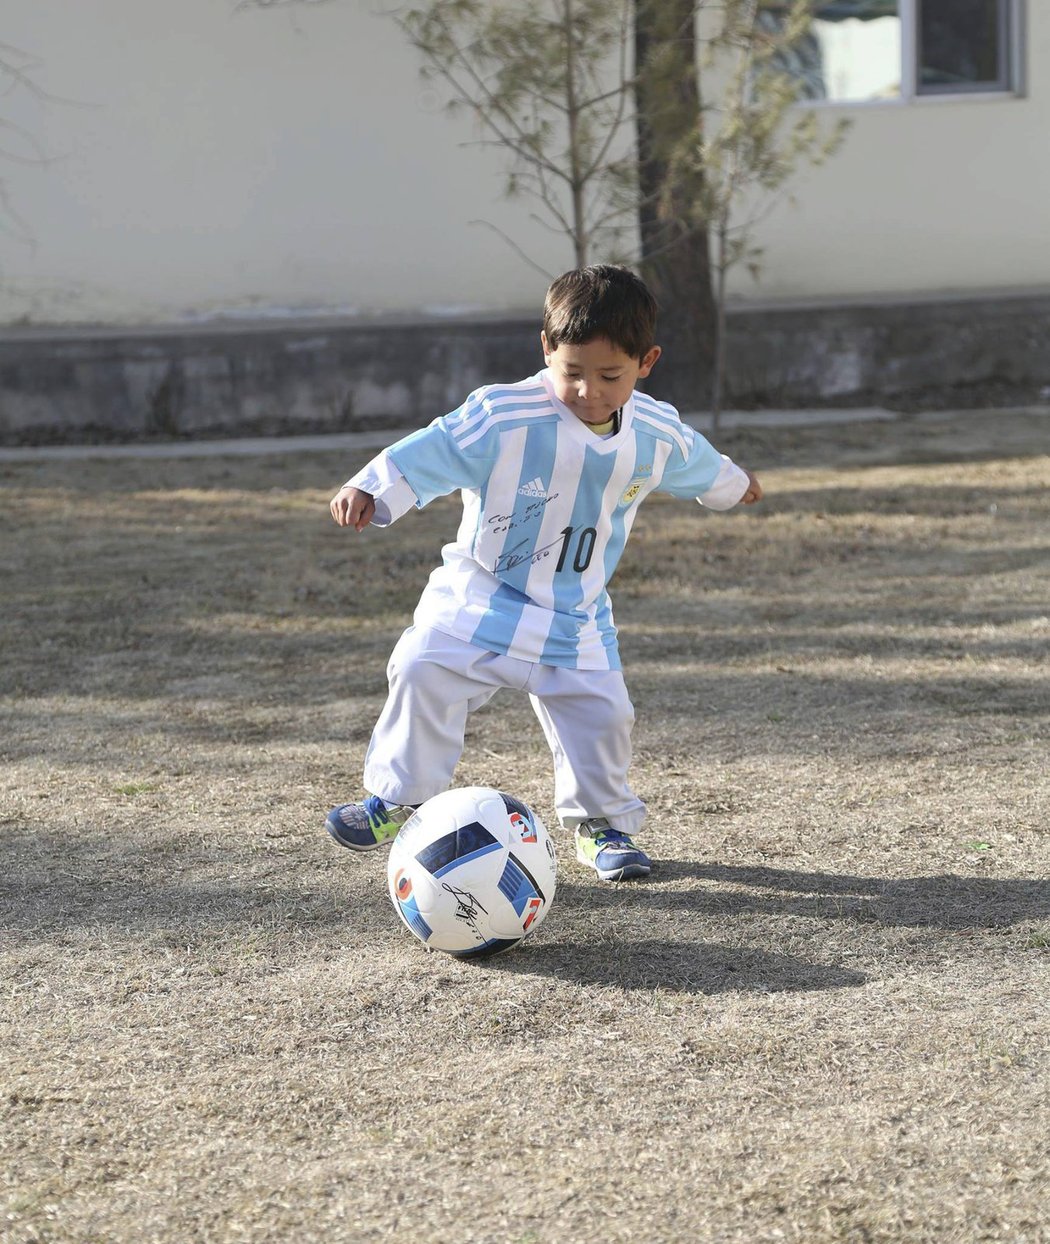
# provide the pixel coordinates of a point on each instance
(641, 474)
(632, 491)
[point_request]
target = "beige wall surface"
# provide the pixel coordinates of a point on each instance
(198, 156)
(185, 160)
(934, 195)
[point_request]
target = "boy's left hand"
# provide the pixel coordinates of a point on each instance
(754, 492)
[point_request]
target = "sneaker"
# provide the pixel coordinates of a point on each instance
(365, 826)
(611, 854)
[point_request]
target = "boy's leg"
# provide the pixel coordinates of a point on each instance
(436, 681)
(587, 717)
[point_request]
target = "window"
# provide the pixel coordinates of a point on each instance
(860, 50)
(963, 45)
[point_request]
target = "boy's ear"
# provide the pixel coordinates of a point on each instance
(546, 347)
(648, 361)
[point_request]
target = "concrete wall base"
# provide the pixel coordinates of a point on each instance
(121, 384)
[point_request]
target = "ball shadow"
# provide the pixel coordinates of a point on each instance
(679, 967)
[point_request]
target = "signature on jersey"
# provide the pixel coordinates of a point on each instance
(513, 557)
(500, 523)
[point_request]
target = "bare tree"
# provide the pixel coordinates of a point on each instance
(598, 105)
(594, 101)
(550, 84)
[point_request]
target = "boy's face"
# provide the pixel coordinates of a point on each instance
(596, 378)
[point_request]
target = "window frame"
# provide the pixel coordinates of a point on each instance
(1013, 30)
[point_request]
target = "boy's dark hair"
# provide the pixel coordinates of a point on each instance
(600, 301)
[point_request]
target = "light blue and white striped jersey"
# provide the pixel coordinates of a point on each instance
(547, 509)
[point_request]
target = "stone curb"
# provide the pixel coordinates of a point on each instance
(377, 439)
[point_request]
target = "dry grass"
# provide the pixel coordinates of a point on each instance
(825, 1017)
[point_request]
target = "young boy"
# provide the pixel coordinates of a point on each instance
(552, 470)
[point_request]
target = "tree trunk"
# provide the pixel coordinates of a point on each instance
(721, 341)
(675, 255)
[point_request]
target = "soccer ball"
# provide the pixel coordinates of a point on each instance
(472, 872)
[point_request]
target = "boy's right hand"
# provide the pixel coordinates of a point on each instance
(352, 508)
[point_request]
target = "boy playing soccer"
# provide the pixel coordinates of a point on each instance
(552, 470)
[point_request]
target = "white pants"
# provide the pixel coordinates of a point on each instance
(436, 681)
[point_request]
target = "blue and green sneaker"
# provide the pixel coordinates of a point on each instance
(611, 854)
(365, 826)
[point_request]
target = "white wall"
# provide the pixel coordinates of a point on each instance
(202, 159)
(213, 158)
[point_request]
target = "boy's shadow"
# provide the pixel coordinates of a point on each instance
(944, 901)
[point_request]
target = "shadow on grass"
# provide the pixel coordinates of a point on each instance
(679, 967)
(945, 901)
(173, 891)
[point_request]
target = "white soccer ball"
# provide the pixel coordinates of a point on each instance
(472, 872)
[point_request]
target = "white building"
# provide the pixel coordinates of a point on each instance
(167, 162)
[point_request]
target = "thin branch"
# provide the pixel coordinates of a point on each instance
(22, 232)
(277, 4)
(20, 77)
(549, 276)
(602, 222)
(549, 199)
(483, 89)
(613, 128)
(522, 153)
(560, 228)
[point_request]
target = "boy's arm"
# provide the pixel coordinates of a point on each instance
(378, 494)
(453, 452)
(734, 485)
(699, 470)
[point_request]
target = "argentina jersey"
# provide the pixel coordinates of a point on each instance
(547, 509)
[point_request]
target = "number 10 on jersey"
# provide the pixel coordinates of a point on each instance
(584, 548)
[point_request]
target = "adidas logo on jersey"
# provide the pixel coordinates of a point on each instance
(533, 489)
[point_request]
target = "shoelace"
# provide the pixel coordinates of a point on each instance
(376, 812)
(610, 837)
(614, 839)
